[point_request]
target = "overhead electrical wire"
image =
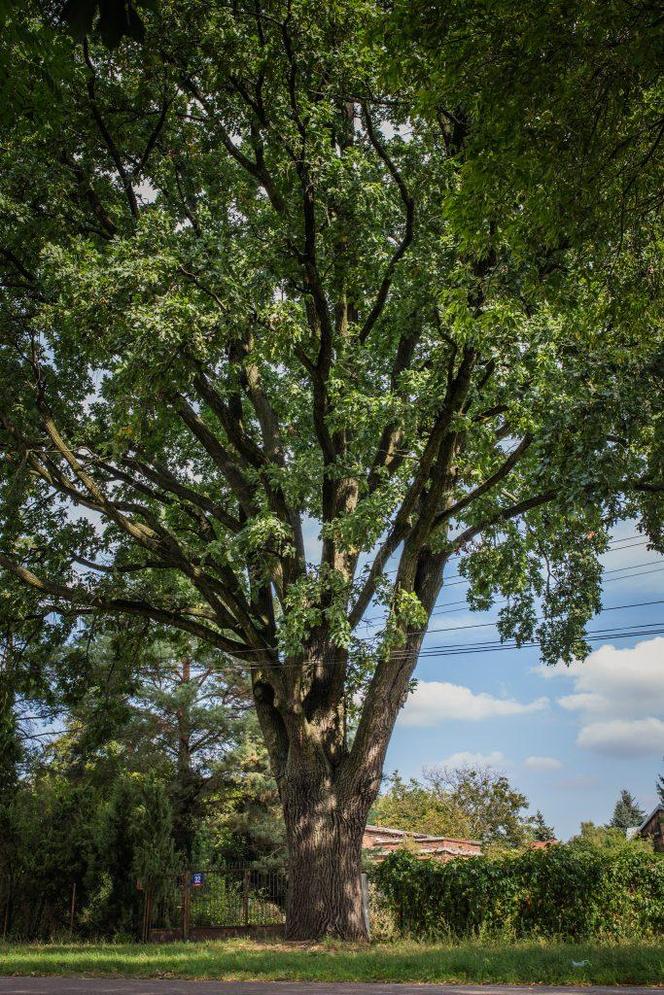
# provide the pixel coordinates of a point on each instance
(450, 607)
(613, 544)
(455, 649)
(493, 645)
(656, 629)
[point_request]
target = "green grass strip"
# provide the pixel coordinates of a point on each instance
(527, 962)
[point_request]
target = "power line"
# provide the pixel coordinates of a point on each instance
(484, 625)
(450, 607)
(595, 636)
(451, 649)
(492, 646)
(611, 543)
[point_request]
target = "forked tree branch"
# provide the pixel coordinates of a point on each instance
(503, 471)
(123, 606)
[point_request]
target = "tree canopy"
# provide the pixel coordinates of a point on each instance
(465, 802)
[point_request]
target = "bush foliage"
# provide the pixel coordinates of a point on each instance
(575, 890)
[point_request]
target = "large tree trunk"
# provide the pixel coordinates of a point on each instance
(326, 784)
(324, 863)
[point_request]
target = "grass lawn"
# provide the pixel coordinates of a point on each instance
(552, 963)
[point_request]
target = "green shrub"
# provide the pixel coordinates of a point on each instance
(574, 890)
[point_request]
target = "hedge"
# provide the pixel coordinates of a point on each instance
(568, 891)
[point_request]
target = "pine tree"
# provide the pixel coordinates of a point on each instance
(627, 812)
(541, 831)
(659, 785)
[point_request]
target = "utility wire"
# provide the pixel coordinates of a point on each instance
(656, 629)
(611, 543)
(450, 607)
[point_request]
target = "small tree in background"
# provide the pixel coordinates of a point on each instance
(540, 830)
(414, 807)
(627, 812)
(470, 802)
(493, 807)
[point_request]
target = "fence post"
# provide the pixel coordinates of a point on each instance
(72, 910)
(147, 914)
(186, 893)
(364, 887)
(5, 922)
(245, 898)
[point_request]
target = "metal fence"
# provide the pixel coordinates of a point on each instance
(234, 896)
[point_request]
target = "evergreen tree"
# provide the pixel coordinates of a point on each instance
(660, 788)
(539, 829)
(627, 812)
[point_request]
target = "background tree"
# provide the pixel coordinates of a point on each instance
(464, 802)
(659, 786)
(493, 807)
(412, 806)
(609, 838)
(184, 711)
(238, 298)
(627, 812)
(540, 831)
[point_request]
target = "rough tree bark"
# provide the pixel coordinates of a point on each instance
(324, 835)
(328, 784)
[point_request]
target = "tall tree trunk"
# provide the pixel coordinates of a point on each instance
(324, 837)
(326, 785)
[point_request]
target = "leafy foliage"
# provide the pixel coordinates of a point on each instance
(573, 890)
(541, 832)
(254, 282)
(158, 766)
(467, 802)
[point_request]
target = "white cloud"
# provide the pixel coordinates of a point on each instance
(621, 737)
(618, 695)
(465, 758)
(583, 702)
(542, 763)
(620, 682)
(433, 702)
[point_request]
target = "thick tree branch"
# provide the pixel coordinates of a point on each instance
(122, 606)
(106, 135)
(503, 515)
(503, 471)
(218, 452)
(401, 526)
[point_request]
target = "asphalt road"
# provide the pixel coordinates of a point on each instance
(133, 986)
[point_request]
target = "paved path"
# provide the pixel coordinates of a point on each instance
(133, 986)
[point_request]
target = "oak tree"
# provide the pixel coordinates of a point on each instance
(263, 377)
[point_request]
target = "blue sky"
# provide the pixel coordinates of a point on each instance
(570, 739)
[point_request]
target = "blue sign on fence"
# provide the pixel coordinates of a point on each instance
(197, 879)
